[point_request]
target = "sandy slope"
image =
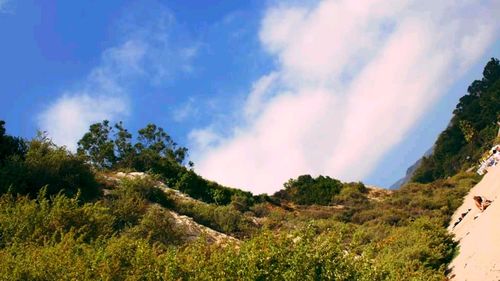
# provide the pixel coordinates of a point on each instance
(479, 257)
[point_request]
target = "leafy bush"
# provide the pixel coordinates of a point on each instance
(157, 226)
(62, 239)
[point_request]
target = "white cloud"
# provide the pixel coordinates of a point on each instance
(71, 115)
(146, 54)
(353, 78)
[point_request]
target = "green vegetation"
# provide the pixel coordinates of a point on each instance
(471, 132)
(60, 220)
(68, 217)
(124, 235)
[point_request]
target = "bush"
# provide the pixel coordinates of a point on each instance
(157, 226)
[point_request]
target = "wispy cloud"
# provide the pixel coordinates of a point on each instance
(352, 80)
(145, 53)
(185, 111)
(4, 6)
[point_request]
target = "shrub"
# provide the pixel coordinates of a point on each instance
(40, 220)
(157, 226)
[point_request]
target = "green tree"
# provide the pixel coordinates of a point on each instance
(97, 146)
(123, 146)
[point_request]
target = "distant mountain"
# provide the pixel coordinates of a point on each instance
(410, 171)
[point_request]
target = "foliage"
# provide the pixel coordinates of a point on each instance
(107, 146)
(42, 220)
(436, 200)
(208, 191)
(415, 252)
(97, 145)
(157, 226)
(308, 190)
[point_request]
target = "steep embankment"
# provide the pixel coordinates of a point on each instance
(478, 233)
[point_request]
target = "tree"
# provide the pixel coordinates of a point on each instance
(157, 140)
(97, 145)
(156, 147)
(491, 72)
(123, 146)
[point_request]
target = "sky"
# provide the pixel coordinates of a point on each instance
(259, 91)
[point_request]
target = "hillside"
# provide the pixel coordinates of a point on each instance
(132, 208)
(129, 225)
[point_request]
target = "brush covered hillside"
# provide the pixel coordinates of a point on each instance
(130, 207)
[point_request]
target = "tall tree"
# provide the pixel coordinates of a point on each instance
(97, 145)
(124, 149)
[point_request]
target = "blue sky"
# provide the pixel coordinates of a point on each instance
(260, 91)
